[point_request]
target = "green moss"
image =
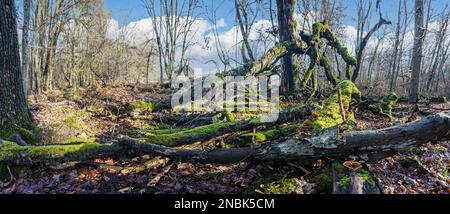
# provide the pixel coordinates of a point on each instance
(344, 182)
(27, 135)
(11, 151)
(365, 175)
(142, 106)
(80, 140)
(74, 95)
(262, 136)
(172, 137)
(73, 118)
(415, 150)
(330, 115)
(257, 137)
(276, 185)
(385, 107)
(229, 116)
(283, 186)
(324, 180)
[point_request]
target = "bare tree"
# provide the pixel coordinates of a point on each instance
(417, 51)
(172, 25)
(25, 42)
(286, 24)
(438, 51)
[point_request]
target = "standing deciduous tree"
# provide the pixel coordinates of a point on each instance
(416, 62)
(286, 24)
(25, 41)
(14, 111)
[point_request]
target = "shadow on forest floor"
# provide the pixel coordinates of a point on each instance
(103, 114)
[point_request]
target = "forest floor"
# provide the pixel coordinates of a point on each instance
(103, 114)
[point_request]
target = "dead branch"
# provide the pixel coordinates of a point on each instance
(328, 143)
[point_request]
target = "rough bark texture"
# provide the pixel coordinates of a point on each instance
(326, 144)
(25, 41)
(13, 107)
(286, 25)
(416, 62)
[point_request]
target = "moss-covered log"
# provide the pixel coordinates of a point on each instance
(328, 144)
(264, 135)
(178, 137)
(11, 153)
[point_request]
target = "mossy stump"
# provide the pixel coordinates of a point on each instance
(330, 115)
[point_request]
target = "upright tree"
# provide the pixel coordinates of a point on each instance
(286, 25)
(25, 41)
(14, 111)
(416, 62)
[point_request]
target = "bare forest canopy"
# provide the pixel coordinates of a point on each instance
(295, 96)
(78, 43)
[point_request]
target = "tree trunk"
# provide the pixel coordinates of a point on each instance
(416, 63)
(14, 111)
(393, 65)
(286, 31)
(25, 41)
(329, 144)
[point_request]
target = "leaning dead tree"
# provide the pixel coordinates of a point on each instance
(313, 45)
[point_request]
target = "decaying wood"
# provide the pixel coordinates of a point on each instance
(329, 144)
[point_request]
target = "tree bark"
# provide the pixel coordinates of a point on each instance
(329, 143)
(25, 42)
(286, 34)
(14, 111)
(416, 62)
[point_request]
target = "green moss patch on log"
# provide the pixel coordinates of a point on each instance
(385, 107)
(330, 115)
(262, 136)
(10, 151)
(174, 137)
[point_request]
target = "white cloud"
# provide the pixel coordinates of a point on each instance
(203, 51)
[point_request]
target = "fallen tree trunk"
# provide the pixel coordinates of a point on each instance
(14, 154)
(328, 143)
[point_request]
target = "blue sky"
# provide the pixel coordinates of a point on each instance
(125, 11)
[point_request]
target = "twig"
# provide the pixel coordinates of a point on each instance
(155, 180)
(341, 107)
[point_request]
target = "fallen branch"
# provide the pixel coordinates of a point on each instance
(329, 144)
